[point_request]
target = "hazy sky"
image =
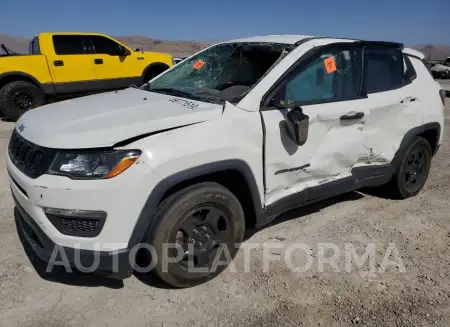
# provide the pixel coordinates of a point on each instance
(411, 22)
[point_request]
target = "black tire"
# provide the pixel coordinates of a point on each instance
(172, 215)
(401, 185)
(154, 71)
(18, 97)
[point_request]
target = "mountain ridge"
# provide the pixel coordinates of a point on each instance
(185, 48)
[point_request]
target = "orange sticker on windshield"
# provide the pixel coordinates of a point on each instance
(330, 65)
(198, 64)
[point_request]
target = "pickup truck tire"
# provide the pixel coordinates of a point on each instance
(206, 217)
(413, 170)
(18, 97)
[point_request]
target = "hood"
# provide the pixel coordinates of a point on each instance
(105, 119)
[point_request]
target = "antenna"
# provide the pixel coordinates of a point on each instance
(140, 42)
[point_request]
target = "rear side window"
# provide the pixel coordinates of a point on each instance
(34, 47)
(383, 68)
(68, 44)
(103, 45)
(409, 74)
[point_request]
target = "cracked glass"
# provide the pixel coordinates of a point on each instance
(223, 72)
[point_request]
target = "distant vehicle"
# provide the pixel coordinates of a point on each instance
(440, 68)
(227, 139)
(64, 65)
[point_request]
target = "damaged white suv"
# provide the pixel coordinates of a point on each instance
(226, 140)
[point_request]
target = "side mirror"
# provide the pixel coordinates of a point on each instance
(123, 52)
(298, 125)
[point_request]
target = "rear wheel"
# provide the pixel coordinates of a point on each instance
(200, 226)
(18, 97)
(413, 171)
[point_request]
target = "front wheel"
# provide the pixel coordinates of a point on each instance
(18, 97)
(413, 171)
(196, 233)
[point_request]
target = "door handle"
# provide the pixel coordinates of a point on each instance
(352, 115)
(408, 99)
(58, 63)
(98, 61)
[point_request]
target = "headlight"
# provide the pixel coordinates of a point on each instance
(93, 164)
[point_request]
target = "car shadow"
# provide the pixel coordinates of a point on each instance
(58, 274)
(309, 209)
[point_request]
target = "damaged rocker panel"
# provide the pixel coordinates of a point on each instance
(292, 169)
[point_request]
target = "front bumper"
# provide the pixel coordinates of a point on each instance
(122, 198)
(113, 263)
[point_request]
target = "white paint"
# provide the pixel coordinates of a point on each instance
(219, 133)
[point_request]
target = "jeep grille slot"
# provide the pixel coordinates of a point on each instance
(31, 159)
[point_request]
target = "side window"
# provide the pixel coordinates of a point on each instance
(409, 73)
(103, 45)
(331, 76)
(447, 62)
(68, 44)
(384, 68)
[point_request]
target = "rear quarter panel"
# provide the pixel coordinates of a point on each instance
(33, 65)
(429, 88)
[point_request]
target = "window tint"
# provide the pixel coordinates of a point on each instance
(447, 62)
(384, 69)
(409, 72)
(68, 44)
(331, 76)
(103, 45)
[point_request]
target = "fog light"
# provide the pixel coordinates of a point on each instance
(76, 222)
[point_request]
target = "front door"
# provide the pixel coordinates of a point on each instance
(112, 68)
(327, 88)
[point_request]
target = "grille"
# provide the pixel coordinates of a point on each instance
(76, 226)
(33, 160)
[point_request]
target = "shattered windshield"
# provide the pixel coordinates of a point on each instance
(222, 72)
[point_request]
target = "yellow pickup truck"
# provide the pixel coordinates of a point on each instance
(64, 65)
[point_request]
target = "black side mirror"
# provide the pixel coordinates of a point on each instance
(298, 125)
(123, 51)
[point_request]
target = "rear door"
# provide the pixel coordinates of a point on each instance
(328, 89)
(394, 101)
(70, 64)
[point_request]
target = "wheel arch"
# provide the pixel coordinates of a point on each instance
(233, 174)
(430, 131)
(155, 66)
(20, 76)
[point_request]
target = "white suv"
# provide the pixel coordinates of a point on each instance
(226, 140)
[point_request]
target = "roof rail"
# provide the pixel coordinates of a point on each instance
(364, 42)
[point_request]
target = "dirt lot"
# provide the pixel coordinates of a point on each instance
(419, 295)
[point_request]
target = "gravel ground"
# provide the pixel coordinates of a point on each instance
(414, 291)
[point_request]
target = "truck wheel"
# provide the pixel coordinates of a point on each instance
(18, 97)
(201, 228)
(413, 171)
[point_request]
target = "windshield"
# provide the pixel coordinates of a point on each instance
(222, 72)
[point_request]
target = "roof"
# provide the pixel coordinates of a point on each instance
(297, 39)
(286, 39)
